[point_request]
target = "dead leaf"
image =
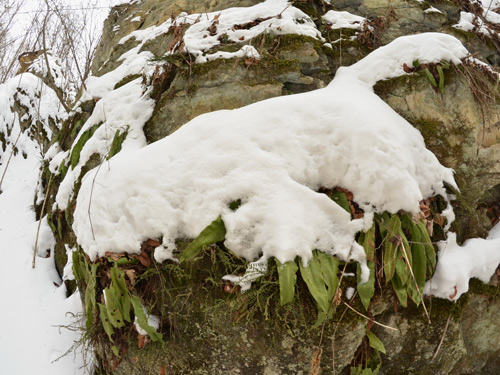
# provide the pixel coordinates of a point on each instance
(337, 298)
(115, 256)
(316, 361)
(439, 219)
(144, 259)
(154, 243)
(141, 341)
(454, 294)
(429, 225)
(131, 275)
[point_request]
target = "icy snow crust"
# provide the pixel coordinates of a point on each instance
(273, 155)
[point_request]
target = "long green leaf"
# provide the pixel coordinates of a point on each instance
(401, 267)
(400, 291)
(390, 246)
(113, 308)
(441, 79)
(121, 292)
(313, 278)
(329, 269)
(430, 253)
(287, 274)
(367, 289)
(108, 328)
(340, 198)
(77, 148)
(143, 320)
(213, 233)
(90, 296)
(375, 342)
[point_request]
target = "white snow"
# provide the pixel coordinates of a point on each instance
(274, 155)
(432, 10)
(245, 51)
(39, 100)
(35, 310)
(470, 22)
(349, 292)
(38, 324)
(343, 20)
(458, 264)
(270, 16)
(153, 321)
(124, 109)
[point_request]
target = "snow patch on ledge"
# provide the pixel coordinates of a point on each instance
(343, 20)
(387, 62)
(273, 155)
(458, 264)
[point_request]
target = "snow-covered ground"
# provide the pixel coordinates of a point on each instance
(34, 307)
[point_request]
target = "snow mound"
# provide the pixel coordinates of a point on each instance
(458, 264)
(273, 156)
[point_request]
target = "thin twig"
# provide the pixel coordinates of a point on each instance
(442, 337)
(40, 221)
(367, 318)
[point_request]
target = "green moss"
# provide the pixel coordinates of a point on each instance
(476, 286)
(126, 80)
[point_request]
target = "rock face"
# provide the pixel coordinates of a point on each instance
(209, 329)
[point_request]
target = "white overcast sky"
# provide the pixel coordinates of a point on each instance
(100, 9)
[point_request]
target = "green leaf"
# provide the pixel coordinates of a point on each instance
(313, 278)
(390, 246)
(116, 144)
(77, 148)
(375, 342)
(401, 267)
(441, 79)
(90, 295)
(213, 233)
(430, 77)
(329, 269)
(340, 198)
(367, 289)
(430, 253)
(142, 320)
(368, 243)
(400, 291)
(287, 273)
(114, 309)
(419, 267)
(416, 63)
(120, 291)
(115, 351)
(106, 324)
(63, 168)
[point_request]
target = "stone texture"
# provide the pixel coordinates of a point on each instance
(204, 335)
